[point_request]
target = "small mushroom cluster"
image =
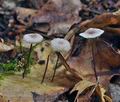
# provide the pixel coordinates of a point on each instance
(58, 45)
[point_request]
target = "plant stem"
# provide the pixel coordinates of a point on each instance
(21, 49)
(45, 69)
(94, 62)
(28, 61)
(55, 68)
(63, 61)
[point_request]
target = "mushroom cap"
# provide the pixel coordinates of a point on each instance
(11, 20)
(92, 33)
(33, 38)
(60, 45)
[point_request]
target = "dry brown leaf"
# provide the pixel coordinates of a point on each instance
(81, 86)
(108, 54)
(5, 48)
(111, 31)
(37, 3)
(60, 11)
(105, 57)
(101, 93)
(101, 21)
(60, 28)
(24, 13)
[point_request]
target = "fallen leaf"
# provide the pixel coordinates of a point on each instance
(81, 86)
(5, 48)
(100, 21)
(24, 13)
(101, 93)
(105, 58)
(108, 54)
(55, 12)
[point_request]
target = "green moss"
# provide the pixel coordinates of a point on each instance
(9, 73)
(9, 66)
(1, 77)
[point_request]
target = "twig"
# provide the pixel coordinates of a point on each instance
(93, 11)
(73, 72)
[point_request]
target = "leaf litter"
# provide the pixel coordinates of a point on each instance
(65, 20)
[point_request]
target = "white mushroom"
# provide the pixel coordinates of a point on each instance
(33, 38)
(92, 33)
(60, 45)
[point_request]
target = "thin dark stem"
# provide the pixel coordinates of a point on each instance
(93, 90)
(28, 61)
(55, 68)
(63, 61)
(45, 69)
(94, 62)
(21, 49)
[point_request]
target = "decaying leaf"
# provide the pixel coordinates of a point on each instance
(81, 86)
(108, 54)
(58, 12)
(101, 93)
(101, 21)
(38, 3)
(115, 31)
(5, 48)
(105, 56)
(25, 14)
(57, 17)
(60, 28)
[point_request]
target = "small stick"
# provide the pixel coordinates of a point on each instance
(63, 61)
(45, 69)
(92, 11)
(55, 68)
